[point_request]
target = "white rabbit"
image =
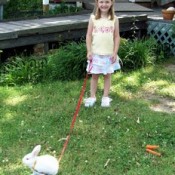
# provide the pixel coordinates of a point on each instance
(41, 165)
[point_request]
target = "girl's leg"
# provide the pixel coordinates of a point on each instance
(89, 102)
(107, 85)
(93, 86)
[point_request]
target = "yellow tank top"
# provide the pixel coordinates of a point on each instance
(102, 36)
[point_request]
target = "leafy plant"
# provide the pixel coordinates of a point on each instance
(33, 8)
(69, 62)
(137, 53)
(12, 8)
(64, 8)
(22, 70)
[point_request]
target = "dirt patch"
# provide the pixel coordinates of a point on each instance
(171, 68)
(162, 104)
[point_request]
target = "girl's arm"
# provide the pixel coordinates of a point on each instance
(89, 39)
(116, 39)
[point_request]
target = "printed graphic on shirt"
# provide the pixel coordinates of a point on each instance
(103, 29)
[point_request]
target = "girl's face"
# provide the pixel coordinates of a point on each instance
(104, 5)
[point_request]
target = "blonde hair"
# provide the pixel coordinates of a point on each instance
(97, 11)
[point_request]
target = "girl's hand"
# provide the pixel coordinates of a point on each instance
(89, 56)
(114, 58)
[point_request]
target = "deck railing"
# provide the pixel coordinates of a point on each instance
(162, 31)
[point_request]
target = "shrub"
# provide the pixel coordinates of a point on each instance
(33, 8)
(15, 6)
(137, 53)
(64, 8)
(21, 70)
(69, 62)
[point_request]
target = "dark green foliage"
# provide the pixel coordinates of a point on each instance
(137, 53)
(64, 8)
(69, 62)
(162, 52)
(34, 8)
(22, 70)
(13, 7)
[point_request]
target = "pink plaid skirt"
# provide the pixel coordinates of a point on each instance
(102, 64)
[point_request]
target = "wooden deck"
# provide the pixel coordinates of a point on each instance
(56, 29)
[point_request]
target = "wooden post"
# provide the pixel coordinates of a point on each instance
(45, 6)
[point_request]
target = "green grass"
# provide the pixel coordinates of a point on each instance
(42, 114)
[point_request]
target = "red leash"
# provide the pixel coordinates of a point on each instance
(74, 117)
(76, 112)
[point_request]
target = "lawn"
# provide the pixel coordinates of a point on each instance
(105, 141)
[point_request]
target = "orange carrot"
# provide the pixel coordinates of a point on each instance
(152, 146)
(153, 152)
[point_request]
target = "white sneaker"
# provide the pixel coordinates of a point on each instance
(89, 102)
(105, 102)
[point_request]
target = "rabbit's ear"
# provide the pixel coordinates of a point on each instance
(36, 150)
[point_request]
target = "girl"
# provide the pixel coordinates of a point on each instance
(102, 42)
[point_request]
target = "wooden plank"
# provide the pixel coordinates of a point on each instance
(44, 29)
(6, 27)
(25, 28)
(50, 30)
(36, 39)
(130, 19)
(41, 26)
(6, 36)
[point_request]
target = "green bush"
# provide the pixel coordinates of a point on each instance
(64, 8)
(137, 53)
(15, 6)
(22, 70)
(33, 8)
(69, 62)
